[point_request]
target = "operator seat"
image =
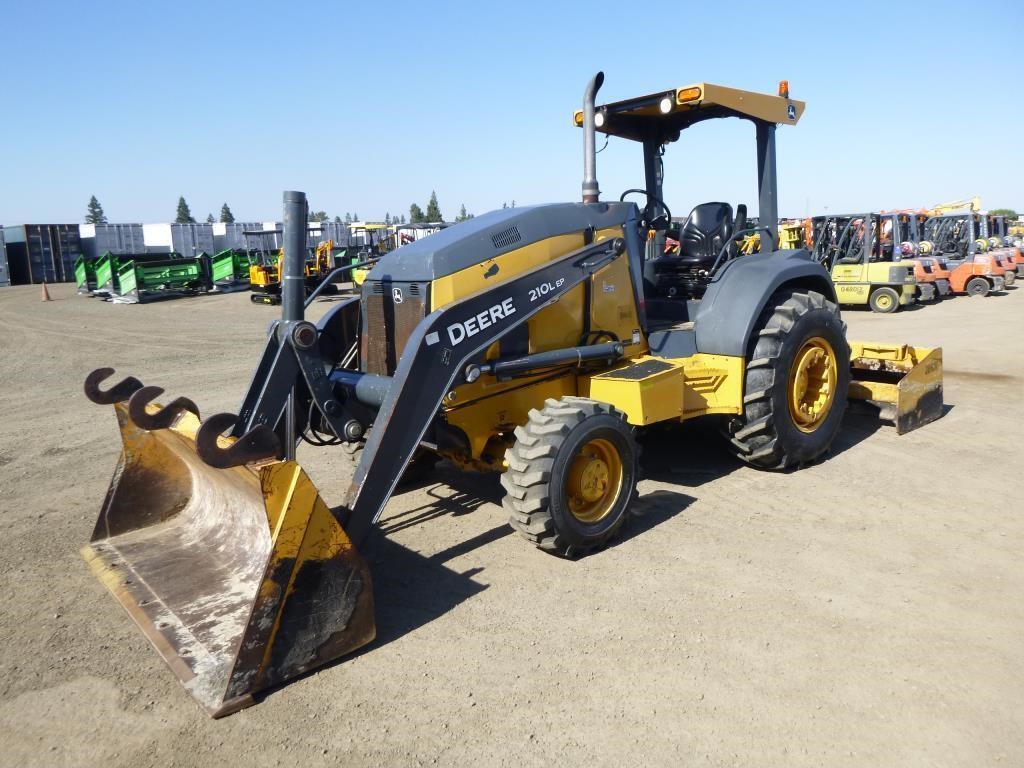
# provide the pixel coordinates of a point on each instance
(701, 237)
(706, 230)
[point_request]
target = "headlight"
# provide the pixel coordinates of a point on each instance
(665, 106)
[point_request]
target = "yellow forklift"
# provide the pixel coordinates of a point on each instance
(851, 248)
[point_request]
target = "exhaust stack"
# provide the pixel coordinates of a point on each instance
(591, 192)
(293, 268)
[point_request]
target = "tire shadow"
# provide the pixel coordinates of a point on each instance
(688, 454)
(650, 510)
(411, 589)
(860, 422)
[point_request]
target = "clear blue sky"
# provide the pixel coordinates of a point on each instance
(369, 106)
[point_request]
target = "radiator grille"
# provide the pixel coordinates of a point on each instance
(387, 324)
(506, 237)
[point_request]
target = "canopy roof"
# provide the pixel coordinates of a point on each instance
(644, 118)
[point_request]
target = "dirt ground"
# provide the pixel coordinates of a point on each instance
(866, 611)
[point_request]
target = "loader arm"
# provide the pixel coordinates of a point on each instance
(436, 356)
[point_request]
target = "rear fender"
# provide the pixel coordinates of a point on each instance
(740, 291)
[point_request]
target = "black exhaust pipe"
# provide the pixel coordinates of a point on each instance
(591, 192)
(293, 270)
(293, 294)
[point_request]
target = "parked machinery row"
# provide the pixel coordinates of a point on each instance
(135, 278)
(892, 259)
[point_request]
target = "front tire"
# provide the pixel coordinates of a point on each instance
(571, 475)
(795, 386)
(884, 300)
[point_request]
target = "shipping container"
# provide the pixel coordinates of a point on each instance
(38, 253)
(119, 239)
(328, 230)
(186, 239)
(229, 237)
(5, 275)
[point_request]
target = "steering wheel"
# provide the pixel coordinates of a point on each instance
(649, 219)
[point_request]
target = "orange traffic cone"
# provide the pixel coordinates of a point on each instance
(46, 293)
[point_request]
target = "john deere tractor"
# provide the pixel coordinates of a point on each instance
(536, 342)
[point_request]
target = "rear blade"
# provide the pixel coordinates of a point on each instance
(903, 382)
(241, 578)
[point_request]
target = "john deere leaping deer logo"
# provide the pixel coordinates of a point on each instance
(396, 295)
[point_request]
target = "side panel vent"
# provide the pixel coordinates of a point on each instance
(506, 237)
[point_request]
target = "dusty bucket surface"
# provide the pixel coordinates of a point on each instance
(241, 578)
(903, 382)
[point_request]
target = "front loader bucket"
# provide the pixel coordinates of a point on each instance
(903, 382)
(241, 578)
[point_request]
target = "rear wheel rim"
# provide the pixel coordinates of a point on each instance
(595, 481)
(813, 379)
(883, 301)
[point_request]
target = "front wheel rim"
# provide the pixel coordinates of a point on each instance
(883, 301)
(813, 379)
(595, 481)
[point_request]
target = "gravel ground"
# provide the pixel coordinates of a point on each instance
(863, 611)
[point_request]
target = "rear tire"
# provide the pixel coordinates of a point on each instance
(796, 381)
(884, 300)
(571, 476)
(977, 286)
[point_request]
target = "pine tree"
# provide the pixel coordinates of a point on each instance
(348, 218)
(416, 214)
(184, 215)
(94, 212)
(387, 218)
(355, 217)
(433, 210)
(337, 219)
(462, 213)
(210, 219)
(318, 216)
(403, 219)
(226, 216)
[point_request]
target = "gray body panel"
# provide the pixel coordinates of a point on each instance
(492, 234)
(738, 293)
(673, 342)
